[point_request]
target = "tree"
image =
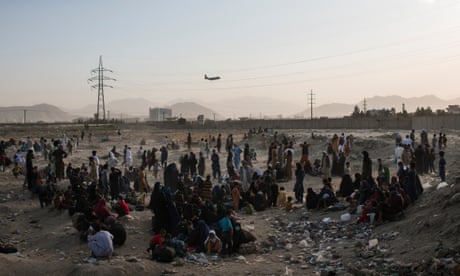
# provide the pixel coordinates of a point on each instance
(356, 111)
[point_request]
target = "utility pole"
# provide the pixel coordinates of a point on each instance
(100, 78)
(25, 116)
(311, 101)
(364, 106)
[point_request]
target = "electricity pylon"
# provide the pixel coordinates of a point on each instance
(100, 78)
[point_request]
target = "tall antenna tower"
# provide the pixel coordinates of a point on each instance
(100, 78)
(311, 102)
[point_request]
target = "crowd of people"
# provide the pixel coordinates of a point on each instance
(196, 210)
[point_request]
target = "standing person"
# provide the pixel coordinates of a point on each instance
(325, 165)
(103, 183)
(59, 154)
(305, 148)
(434, 141)
(143, 184)
(431, 159)
(201, 164)
(274, 156)
(274, 192)
(236, 197)
(219, 142)
(442, 166)
(96, 158)
(189, 141)
(247, 153)
(115, 182)
(206, 148)
(412, 137)
(440, 141)
(398, 153)
(298, 187)
(192, 164)
(215, 165)
(93, 171)
(288, 167)
(227, 233)
(163, 156)
(383, 173)
(347, 147)
(229, 143)
(236, 156)
(245, 176)
(367, 166)
(29, 170)
(100, 242)
(129, 157)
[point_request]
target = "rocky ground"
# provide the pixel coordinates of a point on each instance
(425, 241)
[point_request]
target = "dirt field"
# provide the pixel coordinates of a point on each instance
(425, 241)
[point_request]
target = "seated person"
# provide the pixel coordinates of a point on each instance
(161, 252)
(326, 195)
(312, 199)
(353, 204)
(101, 211)
(176, 244)
(121, 207)
(288, 206)
(212, 244)
(100, 242)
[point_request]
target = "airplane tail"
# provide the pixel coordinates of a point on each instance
(205, 77)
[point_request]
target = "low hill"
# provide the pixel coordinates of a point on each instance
(191, 110)
(35, 113)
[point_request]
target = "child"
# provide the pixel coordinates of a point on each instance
(17, 170)
(281, 201)
(288, 205)
(212, 244)
(442, 166)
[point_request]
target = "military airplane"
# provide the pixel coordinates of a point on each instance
(211, 78)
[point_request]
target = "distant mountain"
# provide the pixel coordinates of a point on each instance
(191, 110)
(379, 102)
(258, 107)
(34, 113)
(328, 110)
(139, 107)
(255, 107)
(410, 104)
(119, 108)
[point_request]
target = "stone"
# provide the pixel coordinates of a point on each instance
(132, 259)
(373, 243)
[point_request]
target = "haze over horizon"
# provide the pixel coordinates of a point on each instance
(342, 50)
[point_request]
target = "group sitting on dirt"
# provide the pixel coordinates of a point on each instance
(385, 196)
(193, 214)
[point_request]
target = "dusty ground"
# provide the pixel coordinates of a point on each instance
(295, 243)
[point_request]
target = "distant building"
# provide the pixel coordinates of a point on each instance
(453, 109)
(159, 114)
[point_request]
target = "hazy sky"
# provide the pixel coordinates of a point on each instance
(160, 50)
